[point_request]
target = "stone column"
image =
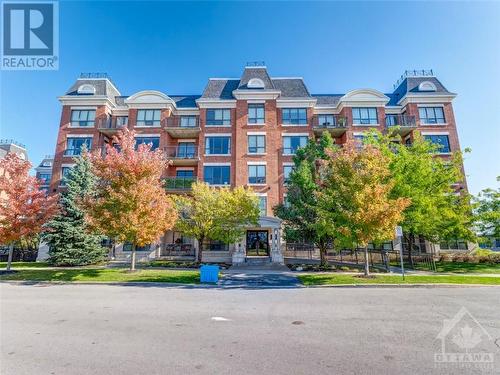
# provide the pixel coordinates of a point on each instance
(276, 255)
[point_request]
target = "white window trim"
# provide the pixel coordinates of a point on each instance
(83, 108)
(184, 169)
(295, 134)
(147, 135)
(256, 133)
(217, 126)
(258, 124)
(431, 105)
(147, 126)
(91, 136)
(216, 164)
(69, 165)
(186, 140)
(365, 125)
(434, 124)
(208, 135)
(256, 162)
(435, 133)
(288, 164)
(261, 194)
(295, 125)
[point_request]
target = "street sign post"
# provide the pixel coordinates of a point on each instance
(399, 235)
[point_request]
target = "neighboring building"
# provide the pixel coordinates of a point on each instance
(244, 131)
(8, 146)
(44, 171)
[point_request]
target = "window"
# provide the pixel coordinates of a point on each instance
(326, 120)
(453, 245)
(441, 140)
(153, 141)
(185, 174)
(186, 150)
(359, 140)
(263, 205)
(44, 177)
(127, 246)
(256, 144)
(292, 143)
(74, 145)
(256, 114)
(294, 116)
(431, 115)
(256, 174)
(83, 117)
(218, 117)
(218, 145)
(217, 246)
(188, 121)
(217, 175)
(64, 175)
(364, 116)
(148, 117)
(121, 121)
(287, 169)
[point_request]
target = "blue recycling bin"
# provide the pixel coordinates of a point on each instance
(209, 274)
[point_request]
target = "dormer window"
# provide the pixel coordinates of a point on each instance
(86, 89)
(427, 86)
(255, 83)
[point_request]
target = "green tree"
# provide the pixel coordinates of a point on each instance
(219, 214)
(67, 234)
(355, 201)
(300, 216)
(436, 212)
(487, 214)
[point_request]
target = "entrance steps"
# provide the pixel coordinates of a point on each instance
(257, 261)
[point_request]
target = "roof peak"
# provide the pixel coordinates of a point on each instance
(413, 73)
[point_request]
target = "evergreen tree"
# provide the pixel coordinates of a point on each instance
(69, 239)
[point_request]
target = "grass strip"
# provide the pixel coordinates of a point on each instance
(105, 275)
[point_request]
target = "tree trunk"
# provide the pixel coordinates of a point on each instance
(367, 265)
(132, 259)
(322, 254)
(411, 240)
(11, 254)
(200, 248)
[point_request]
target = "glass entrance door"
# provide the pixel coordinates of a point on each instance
(257, 242)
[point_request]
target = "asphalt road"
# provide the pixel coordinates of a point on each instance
(99, 329)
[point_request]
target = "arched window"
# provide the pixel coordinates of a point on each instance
(255, 83)
(86, 89)
(427, 86)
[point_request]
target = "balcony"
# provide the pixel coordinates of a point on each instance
(400, 124)
(179, 184)
(110, 126)
(334, 124)
(178, 129)
(182, 155)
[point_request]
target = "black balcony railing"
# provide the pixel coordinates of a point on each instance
(400, 120)
(183, 122)
(329, 121)
(179, 183)
(111, 123)
(181, 152)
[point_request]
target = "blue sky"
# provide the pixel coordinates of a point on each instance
(175, 46)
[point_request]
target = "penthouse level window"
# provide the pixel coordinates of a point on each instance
(82, 117)
(294, 116)
(431, 115)
(256, 114)
(148, 117)
(218, 117)
(364, 116)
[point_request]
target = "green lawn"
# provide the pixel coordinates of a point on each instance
(456, 267)
(105, 275)
(339, 279)
(25, 265)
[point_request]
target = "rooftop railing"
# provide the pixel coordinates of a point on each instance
(11, 142)
(413, 73)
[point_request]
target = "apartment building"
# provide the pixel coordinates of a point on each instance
(44, 171)
(244, 132)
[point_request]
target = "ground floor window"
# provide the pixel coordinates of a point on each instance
(218, 246)
(453, 244)
(127, 246)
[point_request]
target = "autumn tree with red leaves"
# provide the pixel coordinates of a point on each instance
(24, 208)
(131, 203)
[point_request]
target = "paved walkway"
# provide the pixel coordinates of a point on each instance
(258, 277)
